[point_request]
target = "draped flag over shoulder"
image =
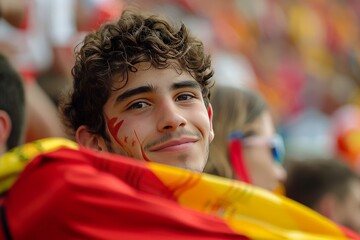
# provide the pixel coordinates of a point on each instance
(70, 191)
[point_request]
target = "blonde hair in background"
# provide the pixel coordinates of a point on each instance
(234, 108)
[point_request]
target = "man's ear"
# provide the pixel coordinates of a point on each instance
(5, 129)
(210, 114)
(85, 138)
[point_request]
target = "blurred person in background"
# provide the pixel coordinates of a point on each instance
(330, 187)
(12, 106)
(38, 37)
(25, 41)
(246, 146)
(13, 11)
(345, 129)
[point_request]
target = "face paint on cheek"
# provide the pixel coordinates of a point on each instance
(141, 148)
(114, 127)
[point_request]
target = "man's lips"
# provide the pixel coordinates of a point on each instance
(173, 145)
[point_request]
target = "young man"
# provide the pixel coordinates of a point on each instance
(12, 107)
(141, 89)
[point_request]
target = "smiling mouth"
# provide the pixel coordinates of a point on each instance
(174, 145)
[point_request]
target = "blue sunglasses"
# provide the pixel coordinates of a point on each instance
(275, 143)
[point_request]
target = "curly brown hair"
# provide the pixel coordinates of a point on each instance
(114, 50)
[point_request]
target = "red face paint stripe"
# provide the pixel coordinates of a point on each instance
(114, 129)
(142, 150)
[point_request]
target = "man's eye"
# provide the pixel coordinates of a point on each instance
(138, 105)
(184, 97)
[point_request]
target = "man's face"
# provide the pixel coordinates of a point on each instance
(160, 116)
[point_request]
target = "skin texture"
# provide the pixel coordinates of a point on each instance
(159, 116)
(264, 172)
(347, 211)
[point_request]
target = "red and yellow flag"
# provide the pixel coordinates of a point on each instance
(67, 191)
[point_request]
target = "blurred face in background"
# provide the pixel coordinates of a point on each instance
(258, 152)
(347, 210)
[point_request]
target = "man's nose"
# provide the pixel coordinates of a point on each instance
(170, 117)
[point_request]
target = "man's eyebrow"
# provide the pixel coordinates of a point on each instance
(185, 84)
(132, 92)
(146, 89)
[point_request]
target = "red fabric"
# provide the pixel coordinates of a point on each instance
(237, 160)
(70, 194)
(349, 233)
(29, 76)
(2, 233)
(24, 25)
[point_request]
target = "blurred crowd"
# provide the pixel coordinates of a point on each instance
(303, 56)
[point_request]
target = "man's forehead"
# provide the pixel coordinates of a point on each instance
(146, 74)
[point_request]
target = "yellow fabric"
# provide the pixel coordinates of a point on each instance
(14, 161)
(248, 210)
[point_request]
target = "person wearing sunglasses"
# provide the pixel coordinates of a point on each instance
(246, 146)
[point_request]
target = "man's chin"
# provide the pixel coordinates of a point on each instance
(195, 168)
(184, 161)
(181, 165)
